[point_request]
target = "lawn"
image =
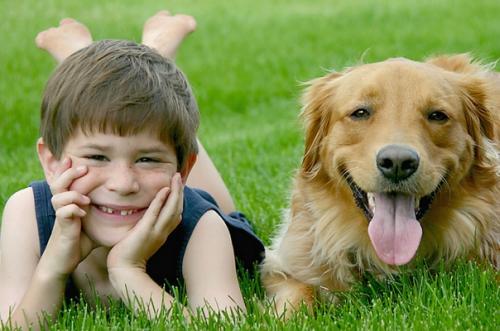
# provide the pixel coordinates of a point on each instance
(247, 63)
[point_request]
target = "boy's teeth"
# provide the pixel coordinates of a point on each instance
(108, 210)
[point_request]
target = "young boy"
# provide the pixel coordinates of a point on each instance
(113, 216)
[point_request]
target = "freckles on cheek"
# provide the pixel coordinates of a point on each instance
(160, 182)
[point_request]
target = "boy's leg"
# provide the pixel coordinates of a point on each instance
(162, 32)
(64, 40)
(205, 176)
(165, 32)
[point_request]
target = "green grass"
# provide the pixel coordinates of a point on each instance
(246, 63)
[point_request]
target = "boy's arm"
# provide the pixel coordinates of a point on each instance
(209, 267)
(24, 291)
(127, 259)
(140, 293)
(31, 284)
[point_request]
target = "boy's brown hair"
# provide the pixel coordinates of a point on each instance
(123, 88)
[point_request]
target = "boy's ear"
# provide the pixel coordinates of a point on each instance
(49, 162)
(191, 160)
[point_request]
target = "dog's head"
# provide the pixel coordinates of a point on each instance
(397, 132)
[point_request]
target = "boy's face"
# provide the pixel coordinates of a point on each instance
(124, 175)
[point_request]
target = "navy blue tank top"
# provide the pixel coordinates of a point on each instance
(165, 266)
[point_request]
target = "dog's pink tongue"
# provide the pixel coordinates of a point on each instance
(394, 230)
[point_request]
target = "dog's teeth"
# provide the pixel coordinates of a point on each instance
(371, 202)
(417, 203)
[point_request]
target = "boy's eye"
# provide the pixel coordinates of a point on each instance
(96, 157)
(147, 159)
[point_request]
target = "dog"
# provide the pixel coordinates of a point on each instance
(401, 164)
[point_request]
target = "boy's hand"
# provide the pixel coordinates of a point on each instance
(67, 245)
(151, 232)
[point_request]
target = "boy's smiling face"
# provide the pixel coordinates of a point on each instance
(124, 175)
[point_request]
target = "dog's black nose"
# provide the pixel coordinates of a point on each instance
(397, 162)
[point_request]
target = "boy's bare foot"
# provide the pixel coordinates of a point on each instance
(64, 40)
(165, 32)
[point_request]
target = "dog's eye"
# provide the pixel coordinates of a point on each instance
(437, 116)
(360, 114)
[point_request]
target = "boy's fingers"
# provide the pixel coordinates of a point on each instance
(69, 197)
(63, 182)
(154, 209)
(164, 206)
(170, 214)
(169, 217)
(65, 165)
(70, 212)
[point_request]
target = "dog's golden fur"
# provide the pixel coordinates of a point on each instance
(324, 242)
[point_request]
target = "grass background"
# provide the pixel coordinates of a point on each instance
(246, 63)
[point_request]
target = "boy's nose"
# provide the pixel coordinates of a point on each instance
(123, 180)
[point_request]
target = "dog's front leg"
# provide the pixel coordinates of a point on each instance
(287, 293)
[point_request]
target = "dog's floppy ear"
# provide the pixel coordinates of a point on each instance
(481, 114)
(316, 117)
(480, 119)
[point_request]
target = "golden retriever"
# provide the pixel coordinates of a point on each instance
(401, 164)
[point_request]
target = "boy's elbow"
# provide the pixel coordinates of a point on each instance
(5, 316)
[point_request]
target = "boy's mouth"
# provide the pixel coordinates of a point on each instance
(119, 211)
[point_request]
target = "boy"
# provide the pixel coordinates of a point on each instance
(113, 216)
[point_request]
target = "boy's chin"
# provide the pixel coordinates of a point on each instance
(102, 239)
(106, 243)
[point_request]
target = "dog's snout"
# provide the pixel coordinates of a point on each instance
(397, 162)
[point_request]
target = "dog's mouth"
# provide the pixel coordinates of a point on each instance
(366, 201)
(394, 228)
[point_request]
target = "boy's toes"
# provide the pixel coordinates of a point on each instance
(40, 38)
(67, 20)
(163, 12)
(189, 21)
